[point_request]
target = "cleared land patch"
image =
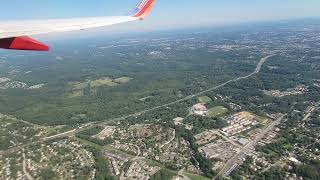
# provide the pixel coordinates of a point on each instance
(204, 99)
(217, 111)
(122, 80)
(77, 88)
(104, 81)
(196, 177)
(263, 120)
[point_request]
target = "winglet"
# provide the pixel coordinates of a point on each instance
(22, 43)
(143, 9)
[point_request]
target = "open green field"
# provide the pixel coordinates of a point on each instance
(104, 81)
(217, 111)
(122, 80)
(263, 120)
(77, 88)
(108, 85)
(204, 99)
(196, 177)
(75, 93)
(79, 85)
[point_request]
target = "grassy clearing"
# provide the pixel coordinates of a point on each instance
(122, 80)
(76, 93)
(50, 131)
(111, 149)
(263, 120)
(77, 88)
(217, 111)
(104, 81)
(196, 177)
(83, 141)
(204, 99)
(79, 85)
(163, 174)
(153, 163)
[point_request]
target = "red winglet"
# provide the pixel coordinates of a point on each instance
(22, 43)
(143, 8)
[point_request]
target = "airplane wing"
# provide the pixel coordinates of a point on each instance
(14, 34)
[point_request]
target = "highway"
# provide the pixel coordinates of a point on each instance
(309, 112)
(74, 131)
(230, 164)
(65, 134)
(256, 71)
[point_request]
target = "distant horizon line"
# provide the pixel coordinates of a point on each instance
(183, 29)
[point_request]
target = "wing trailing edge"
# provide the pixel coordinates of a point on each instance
(15, 34)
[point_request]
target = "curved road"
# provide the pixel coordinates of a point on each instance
(256, 71)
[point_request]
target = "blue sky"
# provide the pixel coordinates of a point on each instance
(167, 13)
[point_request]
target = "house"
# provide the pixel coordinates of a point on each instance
(200, 109)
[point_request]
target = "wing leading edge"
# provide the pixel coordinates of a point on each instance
(14, 34)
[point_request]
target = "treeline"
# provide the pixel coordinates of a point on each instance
(162, 175)
(243, 170)
(182, 72)
(198, 159)
(101, 165)
(200, 123)
(309, 170)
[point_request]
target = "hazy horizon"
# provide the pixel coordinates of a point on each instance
(167, 14)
